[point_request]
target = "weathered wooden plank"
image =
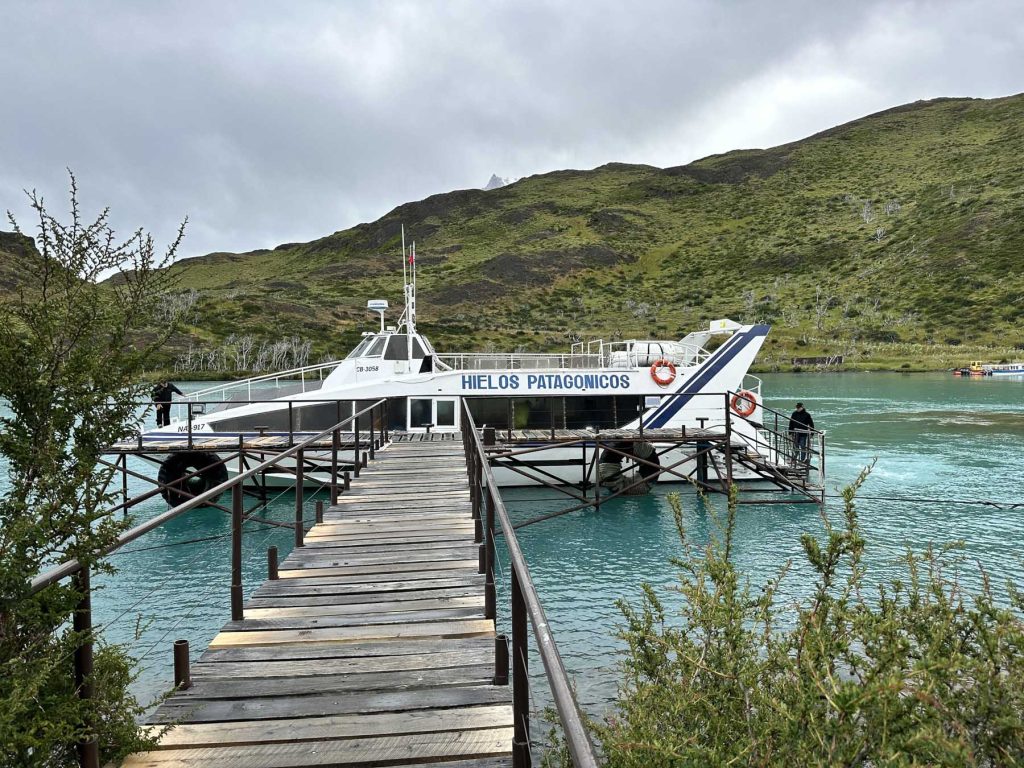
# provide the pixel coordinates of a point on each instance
(251, 688)
(251, 624)
(453, 535)
(392, 521)
(359, 590)
(299, 561)
(383, 568)
(377, 750)
(456, 628)
(367, 650)
(342, 547)
(376, 547)
(363, 580)
(336, 727)
(285, 608)
(409, 526)
(304, 668)
(224, 710)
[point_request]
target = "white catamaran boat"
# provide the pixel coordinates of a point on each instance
(598, 385)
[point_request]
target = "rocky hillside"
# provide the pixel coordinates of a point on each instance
(892, 240)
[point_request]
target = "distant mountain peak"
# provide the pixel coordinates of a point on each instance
(496, 182)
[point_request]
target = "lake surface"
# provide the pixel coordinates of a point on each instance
(934, 436)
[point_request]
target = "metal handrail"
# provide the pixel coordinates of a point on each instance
(73, 566)
(576, 735)
(264, 377)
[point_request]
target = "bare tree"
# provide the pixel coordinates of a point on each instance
(867, 212)
(824, 298)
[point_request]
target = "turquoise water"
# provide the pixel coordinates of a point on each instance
(934, 436)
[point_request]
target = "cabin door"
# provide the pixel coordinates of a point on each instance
(438, 414)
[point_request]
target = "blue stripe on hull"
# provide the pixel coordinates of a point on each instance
(711, 368)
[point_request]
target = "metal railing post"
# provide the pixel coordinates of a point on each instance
(190, 425)
(371, 436)
(291, 425)
(521, 757)
(89, 750)
(490, 596)
(501, 660)
(299, 481)
(728, 443)
(356, 446)
(335, 448)
(236, 552)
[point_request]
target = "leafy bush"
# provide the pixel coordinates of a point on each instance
(71, 370)
(912, 672)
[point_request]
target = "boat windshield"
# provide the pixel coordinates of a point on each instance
(358, 351)
(376, 348)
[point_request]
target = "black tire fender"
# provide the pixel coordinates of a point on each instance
(175, 468)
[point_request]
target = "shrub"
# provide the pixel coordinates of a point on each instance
(913, 672)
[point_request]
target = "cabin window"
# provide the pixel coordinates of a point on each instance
(417, 350)
(377, 347)
(367, 341)
(446, 413)
(398, 348)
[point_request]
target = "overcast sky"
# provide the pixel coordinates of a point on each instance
(272, 122)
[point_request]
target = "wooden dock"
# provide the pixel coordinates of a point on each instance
(371, 649)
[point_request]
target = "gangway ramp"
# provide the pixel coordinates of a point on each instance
(371, 648)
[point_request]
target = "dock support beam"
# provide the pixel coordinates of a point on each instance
(272, 563)
(182, 669)
(501, 660)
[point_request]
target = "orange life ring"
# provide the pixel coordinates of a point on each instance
(743, 402)
(658, 372)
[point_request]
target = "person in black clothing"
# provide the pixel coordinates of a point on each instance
(800, 426)
(162, 394)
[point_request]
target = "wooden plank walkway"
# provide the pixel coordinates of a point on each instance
(372, 647)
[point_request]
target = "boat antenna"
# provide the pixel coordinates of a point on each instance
(405, 280)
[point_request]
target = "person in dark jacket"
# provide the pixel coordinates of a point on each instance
(800, 426)
(162, 394)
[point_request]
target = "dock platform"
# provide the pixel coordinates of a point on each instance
(371, 648)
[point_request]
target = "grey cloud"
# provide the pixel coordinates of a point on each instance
(269, 123)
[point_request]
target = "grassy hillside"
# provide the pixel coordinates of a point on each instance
(894, 240)
(14, 250)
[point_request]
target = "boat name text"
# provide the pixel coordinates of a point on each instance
(536, 381)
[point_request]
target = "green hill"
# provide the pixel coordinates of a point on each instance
(14, 252)
(892, 240)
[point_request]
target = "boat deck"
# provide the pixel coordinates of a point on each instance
(371, 648)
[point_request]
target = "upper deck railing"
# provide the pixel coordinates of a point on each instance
(633, 353)
(294, 381)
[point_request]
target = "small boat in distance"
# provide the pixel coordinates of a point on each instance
(979, 368)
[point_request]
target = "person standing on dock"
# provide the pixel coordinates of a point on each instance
(800, 425)
(163, 392)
